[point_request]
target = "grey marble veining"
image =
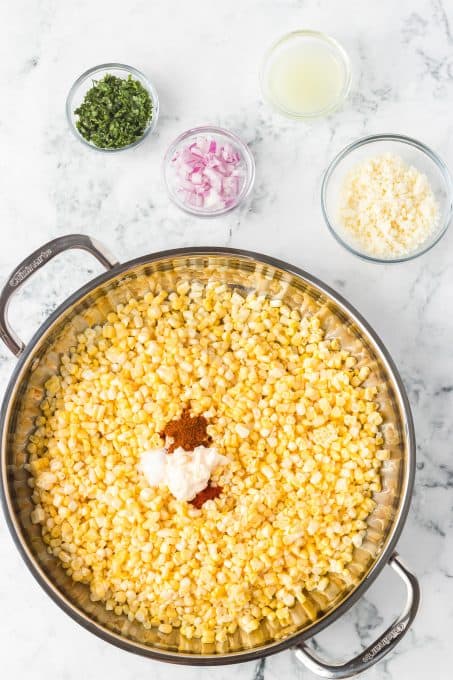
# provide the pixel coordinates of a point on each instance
(204, 59)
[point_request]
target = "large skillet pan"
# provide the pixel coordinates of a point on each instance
(240, 269)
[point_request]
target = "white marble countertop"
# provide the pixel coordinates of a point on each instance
(203, 57)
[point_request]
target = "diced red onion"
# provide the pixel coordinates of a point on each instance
(209, 174)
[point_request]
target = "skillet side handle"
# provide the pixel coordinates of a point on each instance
(32, 264)
(378, 649)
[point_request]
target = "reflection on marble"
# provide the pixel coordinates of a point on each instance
(204, 58)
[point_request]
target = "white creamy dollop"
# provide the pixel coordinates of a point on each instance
(185, 473)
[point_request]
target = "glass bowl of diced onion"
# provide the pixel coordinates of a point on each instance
(364, 224)
(208, 171)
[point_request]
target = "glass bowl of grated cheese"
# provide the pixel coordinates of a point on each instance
(387, 198)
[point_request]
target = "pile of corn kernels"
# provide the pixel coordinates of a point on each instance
(287, 406)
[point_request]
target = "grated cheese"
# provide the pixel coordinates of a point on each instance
(387, 208)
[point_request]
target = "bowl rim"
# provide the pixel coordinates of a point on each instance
(325, 38)
(185, 658)
(237, 141)
(400, 139)
(119, 67)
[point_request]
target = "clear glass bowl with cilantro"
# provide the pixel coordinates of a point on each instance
(112, 107)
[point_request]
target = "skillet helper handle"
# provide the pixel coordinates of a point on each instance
(378, 649)
(32, 264)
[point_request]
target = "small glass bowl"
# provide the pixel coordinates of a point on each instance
(314, 37)
(413, 153)
(219, 134)
(84, 83)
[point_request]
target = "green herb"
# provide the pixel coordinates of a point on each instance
(115, 112)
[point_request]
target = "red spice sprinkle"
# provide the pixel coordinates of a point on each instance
(206, 495)
(187, 432)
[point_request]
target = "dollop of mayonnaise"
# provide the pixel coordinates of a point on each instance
(185, 473)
